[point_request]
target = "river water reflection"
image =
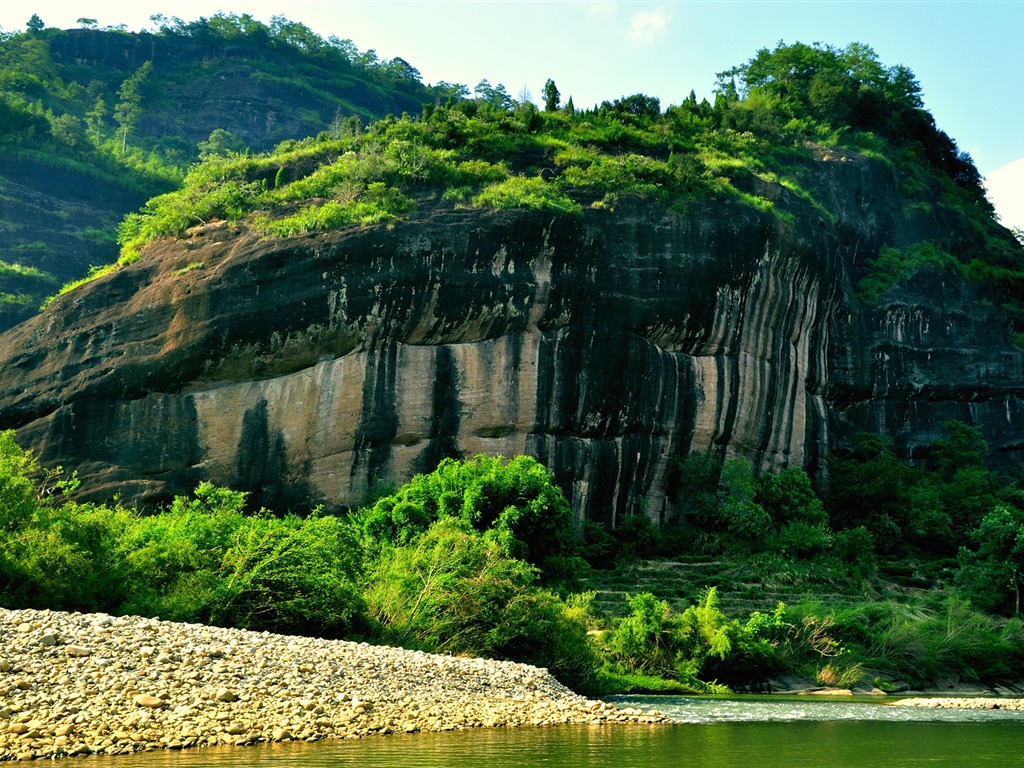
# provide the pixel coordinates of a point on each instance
(752, 733)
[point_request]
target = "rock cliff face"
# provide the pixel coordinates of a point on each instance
(304, 369)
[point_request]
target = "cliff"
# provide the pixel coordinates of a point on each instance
(307, 368)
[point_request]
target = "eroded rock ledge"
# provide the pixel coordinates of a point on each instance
(78, 684)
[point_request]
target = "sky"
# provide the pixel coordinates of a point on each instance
(967, 55)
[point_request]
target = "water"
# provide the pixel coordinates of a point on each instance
(720, 732)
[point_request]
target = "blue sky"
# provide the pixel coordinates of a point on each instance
(968, 56)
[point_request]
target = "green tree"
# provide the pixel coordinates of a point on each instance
(494, 96)
(446, 92)
(96, 119)
(456, 590)
(35, 25)
(993, 574)
(128, 109)
(870, 486)
(67, 129)
(221, 143)
(551, 96)
(746, 522)
(642, 640)
(518, 499)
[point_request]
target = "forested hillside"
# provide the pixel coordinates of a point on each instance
(95, 121)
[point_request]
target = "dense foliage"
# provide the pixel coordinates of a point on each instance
(119, 117)
(772, 117)
(76, 91)
(479, 557)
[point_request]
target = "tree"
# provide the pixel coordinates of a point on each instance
(221, 143)
(35, 25)
(95, 120)
(551, 96)
(517, 499)
(67, 129)
(638, 105)
(128, 110)
(401, 70)
(445, 92)
(494, 96)
(996, 570)
(87, 23)
(570, 108)
(456, 590)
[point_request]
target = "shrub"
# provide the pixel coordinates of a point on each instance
(517, 499)
(531, 193)
(457, 590)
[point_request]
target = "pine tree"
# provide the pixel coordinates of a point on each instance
(128, 110)
(551, 96)
(95, 120)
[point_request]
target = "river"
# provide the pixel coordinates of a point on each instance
(752, 732)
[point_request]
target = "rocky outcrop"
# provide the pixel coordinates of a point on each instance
(306, 369)
(929, 353)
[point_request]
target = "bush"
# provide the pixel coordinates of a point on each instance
(530, 193)
(517, 499)
(456, 590)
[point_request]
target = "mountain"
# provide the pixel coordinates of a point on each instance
(607, 291)
(75, 158)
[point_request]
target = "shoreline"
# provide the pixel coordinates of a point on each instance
(78, 684)
(963, 702)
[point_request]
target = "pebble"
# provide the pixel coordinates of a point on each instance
(963, 702)
(123, 684)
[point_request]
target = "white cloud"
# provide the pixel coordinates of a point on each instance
(1006, 191)
(645, 26)
(601, 8)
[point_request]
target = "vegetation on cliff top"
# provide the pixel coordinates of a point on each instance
(100, 101)
(758, 145)
(480, 557)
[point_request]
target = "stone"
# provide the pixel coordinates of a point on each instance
(80, 708)
(145, 700)
(77, 651)
(224, 694)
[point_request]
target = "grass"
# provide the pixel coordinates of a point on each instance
(530, 193)
(94, 273)
(25, 271)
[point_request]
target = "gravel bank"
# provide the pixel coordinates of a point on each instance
(77, 684)
(963, 702)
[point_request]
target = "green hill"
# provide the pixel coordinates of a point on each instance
(95, 121)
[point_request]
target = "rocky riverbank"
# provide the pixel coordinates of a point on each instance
(76, 684)
(963, 702)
